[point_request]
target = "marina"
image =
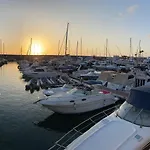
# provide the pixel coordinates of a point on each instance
(74, 75)
(65, 95)
(22, 120)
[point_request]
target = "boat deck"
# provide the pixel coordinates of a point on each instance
(63, 142)
(121, 94)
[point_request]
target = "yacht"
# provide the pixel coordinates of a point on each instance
(79, 100)
(128, 128)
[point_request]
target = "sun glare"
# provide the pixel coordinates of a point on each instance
(36, 49)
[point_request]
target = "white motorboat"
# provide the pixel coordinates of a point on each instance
(78, 101)
(128, 128)
(92, 75)
(39, 72)
(79, 73)
(63, 89)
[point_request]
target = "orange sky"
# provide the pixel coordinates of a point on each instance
(45, 21)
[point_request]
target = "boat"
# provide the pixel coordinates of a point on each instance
(85, 72)
(36, 71)
(103, 79)
(127, 128)
(122, 81)
(79, 100)
(90, 76)
(52, 91)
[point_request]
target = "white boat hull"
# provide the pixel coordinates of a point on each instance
(79, 107)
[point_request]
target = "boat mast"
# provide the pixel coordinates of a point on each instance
(21, 50)
(87, 52)
(81, 47)
(77, 49)
(58, 46)
(106, 47)
(96, 52)
(139, 48)
(130, 47)
(66, 45)
(30, 47)
(3, 48)
(69, 48)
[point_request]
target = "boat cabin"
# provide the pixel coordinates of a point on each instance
(136, 109)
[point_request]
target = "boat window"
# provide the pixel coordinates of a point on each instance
(135, 115)
(72, 101)
(72, 91)
(130, 76)
(84, 99)
(75, 91)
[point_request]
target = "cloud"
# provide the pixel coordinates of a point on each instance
(120, 14)
(129, 10)
(132, 9)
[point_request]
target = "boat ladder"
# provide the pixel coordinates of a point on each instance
(70, 136)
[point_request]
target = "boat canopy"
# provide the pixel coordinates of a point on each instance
(140, 97)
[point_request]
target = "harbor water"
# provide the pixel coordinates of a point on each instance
(18, 114)
(23, 124)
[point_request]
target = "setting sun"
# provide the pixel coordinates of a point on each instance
(36, 49)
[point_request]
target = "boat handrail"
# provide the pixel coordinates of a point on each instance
(78, 130)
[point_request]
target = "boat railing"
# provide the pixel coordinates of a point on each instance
(65, 140)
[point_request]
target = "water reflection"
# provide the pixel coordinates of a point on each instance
(64, 123)
(17, 114)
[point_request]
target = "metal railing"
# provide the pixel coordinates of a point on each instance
(65, 140)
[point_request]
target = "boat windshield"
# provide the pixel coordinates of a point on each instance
(135, 115)
(66, 86)
(75, 91)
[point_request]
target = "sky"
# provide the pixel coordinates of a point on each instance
(92, 20)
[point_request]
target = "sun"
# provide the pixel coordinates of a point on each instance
(36, 49)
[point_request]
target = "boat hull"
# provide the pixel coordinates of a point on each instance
(82, 107)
